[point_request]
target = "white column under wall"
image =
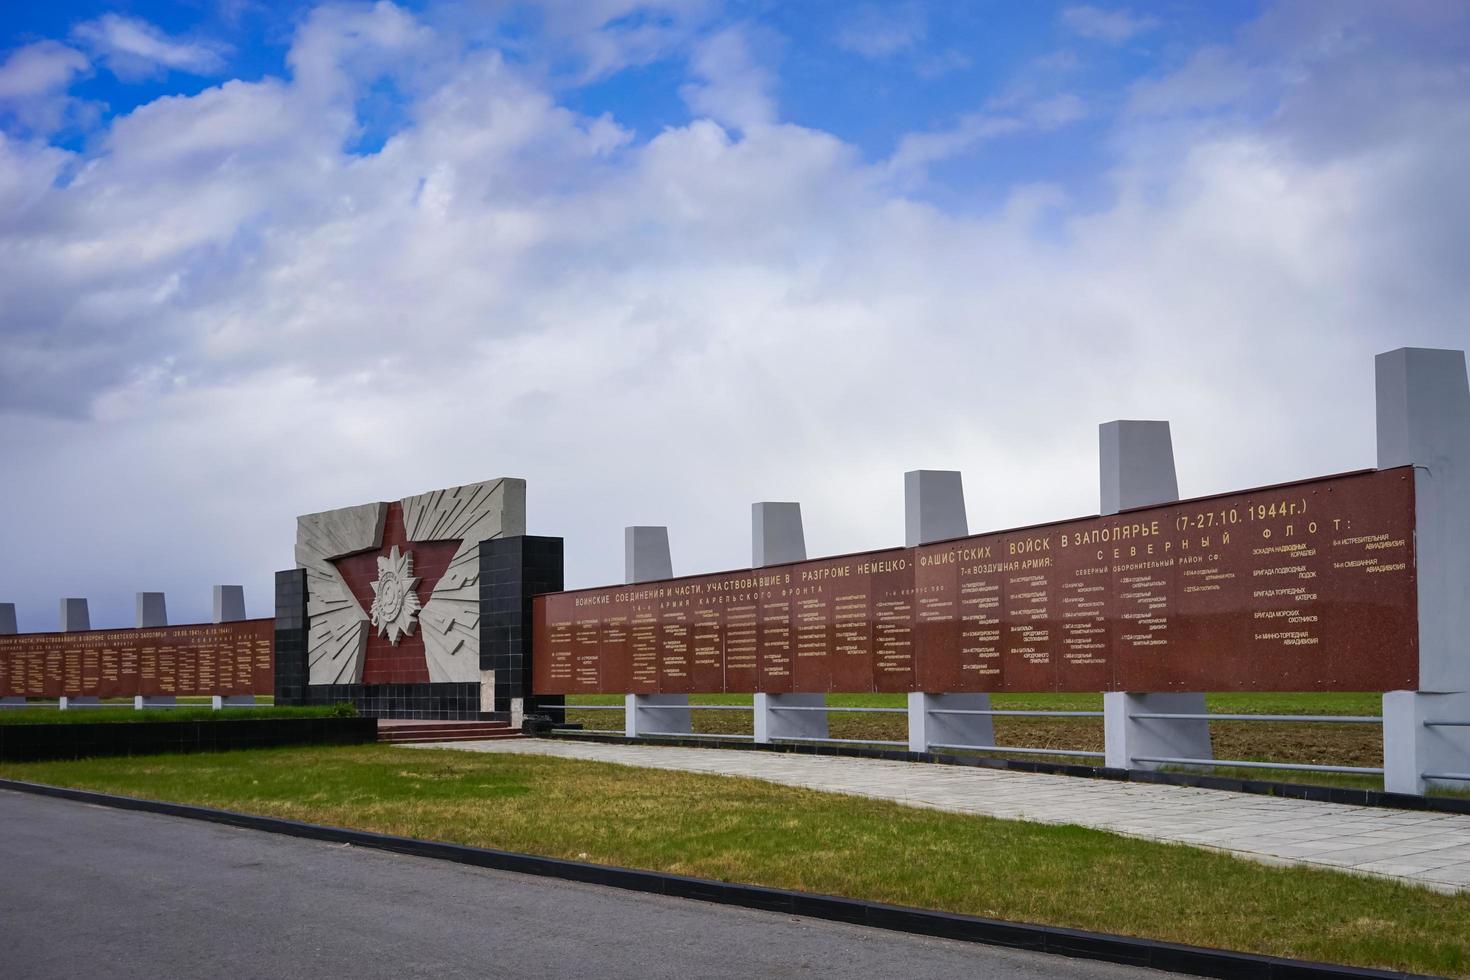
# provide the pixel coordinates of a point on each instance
(1136, 469)
(773, 720)
(646, 558)
(660, 714)
(777, 537)
(1128, 739)
(1423, 409)
(932, 727)
(934, 510)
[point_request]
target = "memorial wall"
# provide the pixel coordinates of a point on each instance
(1300, 587)
(223, 658)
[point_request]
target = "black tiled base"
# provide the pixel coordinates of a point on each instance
(457, 702)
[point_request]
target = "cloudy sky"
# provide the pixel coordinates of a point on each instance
(665, 259)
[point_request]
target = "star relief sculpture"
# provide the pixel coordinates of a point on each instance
(395, 604)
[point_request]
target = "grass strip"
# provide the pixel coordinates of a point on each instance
(759, 833)
(129, 715)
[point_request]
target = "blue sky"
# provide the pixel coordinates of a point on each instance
(868, 73)
(663, 258)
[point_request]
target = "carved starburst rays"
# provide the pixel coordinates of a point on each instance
(395, 603)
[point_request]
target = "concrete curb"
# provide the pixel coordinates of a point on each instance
(1192, 960)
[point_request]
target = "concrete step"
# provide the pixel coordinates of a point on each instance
(405, 739)
(443, 731)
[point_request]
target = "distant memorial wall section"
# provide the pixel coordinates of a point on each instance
(234, 658)
(1302, 587)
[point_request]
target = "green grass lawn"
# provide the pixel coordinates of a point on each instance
(107, 713)
(749, 831)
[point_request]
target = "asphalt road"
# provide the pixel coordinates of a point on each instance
(92, 891)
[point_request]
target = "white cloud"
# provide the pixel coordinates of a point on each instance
(1110, 26)
(918, 151)
(40, 69)
(876, 32)
(133, 49)
(33, 84)
(731, 85)
(223, 319)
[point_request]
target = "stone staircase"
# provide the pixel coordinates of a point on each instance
(401, 731)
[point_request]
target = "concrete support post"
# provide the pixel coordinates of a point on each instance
(776, 535)
(1415, 750)
(153, 701)
(1136, 469)
(934, 510)
(933, 506)
(152, 610)
(1423, 415)
(646, 558)
(229, 603)
(7, 628)
(774, 721)
(647, 714)
(1135, 465)
(219, 701)
(646, 554)
(74, 618)
(1128, 738)
(931, 724)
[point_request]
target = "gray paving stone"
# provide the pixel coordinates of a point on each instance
(1431, 850)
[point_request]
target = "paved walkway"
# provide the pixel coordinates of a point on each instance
(1429, 849)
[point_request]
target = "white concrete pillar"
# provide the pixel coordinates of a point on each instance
(1417, 753)
(229, 603)
(933, 723)
(1423, 415)
(1424, 421)
(646, 554)
(774, 719)
(1128, 738)
(646, 714)
(74, 618)
(646, 558)
(152, 611)
(1136, 469)
(1136, 465)
(934, 510)
(776, 535)
(933, 506)
(7, 628)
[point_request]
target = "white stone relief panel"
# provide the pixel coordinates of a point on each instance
(450, 620)
(339, 626)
